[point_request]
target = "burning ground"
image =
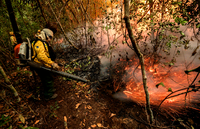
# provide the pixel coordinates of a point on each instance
(77, 107)
(162, 80)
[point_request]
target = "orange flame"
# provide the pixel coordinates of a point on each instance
(172, 78)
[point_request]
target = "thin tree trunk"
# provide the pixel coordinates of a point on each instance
(82, 7)
(23, 20)
(140, 55)
(9, 85)
(61, 27)
(13, 21)
(41, 10)
(71, 10)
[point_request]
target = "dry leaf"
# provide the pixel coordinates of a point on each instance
(86, 96)
(19, 122)
(77, 105)
(37, 121)
(99, 125)
(94, 125)
(22, 119)
(65, 118)
(1, 106)
(60, 101)
(89, 107)
(29, 96)
(65, 122)
(112, 114)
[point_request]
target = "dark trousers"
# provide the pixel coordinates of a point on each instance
(47, 81)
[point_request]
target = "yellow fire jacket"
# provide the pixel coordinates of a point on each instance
(41, 54)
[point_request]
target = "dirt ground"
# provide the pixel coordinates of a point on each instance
(76, 107)
(83, 108)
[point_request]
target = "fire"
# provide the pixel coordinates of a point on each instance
(172, 78)
(151, 69)
(170, 100)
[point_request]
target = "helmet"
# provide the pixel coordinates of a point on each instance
(11, 33)
(39, 31)
(48, 33)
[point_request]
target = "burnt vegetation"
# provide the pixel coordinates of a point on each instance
(95, 42)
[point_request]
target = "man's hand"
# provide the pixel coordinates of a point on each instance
(55, 66)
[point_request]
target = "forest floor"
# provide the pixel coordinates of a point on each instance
(79, 107)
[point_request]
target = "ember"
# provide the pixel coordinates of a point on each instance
(161, 81)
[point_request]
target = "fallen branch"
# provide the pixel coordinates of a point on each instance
(9, 85)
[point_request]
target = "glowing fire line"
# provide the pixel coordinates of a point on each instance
(173, 78)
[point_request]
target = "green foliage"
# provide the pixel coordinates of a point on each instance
(180, 21)
(53, 109)
(162, 24)
(198, 25)
(170, 90)
(24, 14)
(28, 127)
(69, 69)
(162, 84)
(4, 120)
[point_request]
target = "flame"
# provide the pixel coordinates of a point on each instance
(172, 78)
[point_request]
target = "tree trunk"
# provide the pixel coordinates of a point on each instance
(140, 55)
(13, 21)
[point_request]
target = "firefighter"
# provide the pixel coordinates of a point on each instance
(41, 55)
(13, 40)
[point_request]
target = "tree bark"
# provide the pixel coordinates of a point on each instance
(13, 21)
(140, 56)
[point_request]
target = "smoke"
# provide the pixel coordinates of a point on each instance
(172, 76)
(121, 96)
(111, 38)
(186, 50)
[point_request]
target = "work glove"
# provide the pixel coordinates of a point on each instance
(55, 66)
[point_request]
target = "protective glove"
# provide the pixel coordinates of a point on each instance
(55, 66)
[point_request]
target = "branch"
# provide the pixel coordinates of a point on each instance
(151, 5)
(85, 11)
(9, 84)
(140, 55)
(41, 10)
(61, 26)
